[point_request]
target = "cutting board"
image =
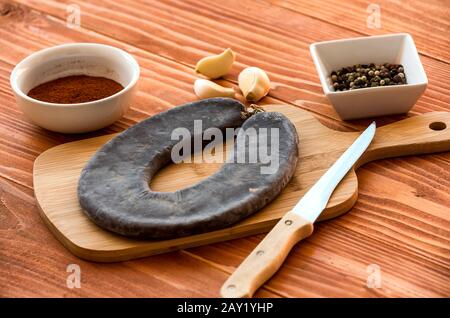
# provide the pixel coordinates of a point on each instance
(56, 173)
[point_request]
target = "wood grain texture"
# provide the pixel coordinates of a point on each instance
(400, 221)
(395, 17)
(56, 173)
(275, 39)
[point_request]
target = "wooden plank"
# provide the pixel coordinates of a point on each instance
(276, 39)
(23, 138)
(26, 31)
(29, 268)
(23, 141)
(428, 22)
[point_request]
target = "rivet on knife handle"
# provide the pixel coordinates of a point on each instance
(267, 257)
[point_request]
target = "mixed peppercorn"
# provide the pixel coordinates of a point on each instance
(367, 75)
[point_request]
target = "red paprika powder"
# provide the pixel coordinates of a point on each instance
(75, 89)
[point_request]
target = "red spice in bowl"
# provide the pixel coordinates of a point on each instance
(75, 89)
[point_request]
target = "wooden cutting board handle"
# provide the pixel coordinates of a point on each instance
(422, 134)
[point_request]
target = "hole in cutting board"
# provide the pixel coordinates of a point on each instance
(437, 125)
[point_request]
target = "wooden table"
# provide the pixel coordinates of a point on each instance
(401, 221)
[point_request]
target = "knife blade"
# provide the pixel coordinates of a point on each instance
(294, 226)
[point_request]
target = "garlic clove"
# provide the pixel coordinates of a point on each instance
(207, 89)
(254, 83)
(216, 66)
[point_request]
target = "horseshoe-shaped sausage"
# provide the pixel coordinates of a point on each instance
(114, 187)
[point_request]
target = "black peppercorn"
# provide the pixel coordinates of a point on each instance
(367, 75)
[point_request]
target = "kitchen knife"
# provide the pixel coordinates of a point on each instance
(295, 225)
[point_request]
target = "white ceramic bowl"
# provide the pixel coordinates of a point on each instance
(75, 59)
(371, 101)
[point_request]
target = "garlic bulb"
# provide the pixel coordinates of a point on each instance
(254, 83)
(216, 66)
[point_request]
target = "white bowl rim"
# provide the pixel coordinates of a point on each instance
(17, 90)
(361, 38)
(326, 87)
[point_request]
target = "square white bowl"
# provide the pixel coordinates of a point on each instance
(371, 101)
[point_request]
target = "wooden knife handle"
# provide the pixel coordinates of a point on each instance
(267, 257)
